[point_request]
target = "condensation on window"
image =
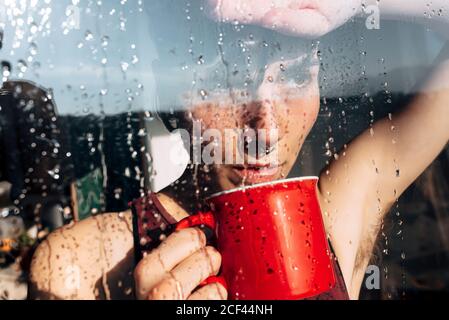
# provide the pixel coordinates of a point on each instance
(121, 118)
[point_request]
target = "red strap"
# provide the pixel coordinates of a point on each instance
(201, 219)
(214, 279)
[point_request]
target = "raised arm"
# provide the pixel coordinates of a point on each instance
(372, 172)
(416, 135)
(399, 148)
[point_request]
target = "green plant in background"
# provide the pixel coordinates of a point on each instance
(90, 196)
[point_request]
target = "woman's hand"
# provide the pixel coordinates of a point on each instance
(177, 268)
(302, 18)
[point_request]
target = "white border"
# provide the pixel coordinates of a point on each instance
(262, 185)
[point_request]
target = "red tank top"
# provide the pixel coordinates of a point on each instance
(151, 222)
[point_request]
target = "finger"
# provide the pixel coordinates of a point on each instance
(155, 266)
(188, 275)
(214, 291)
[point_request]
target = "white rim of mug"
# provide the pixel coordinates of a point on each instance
(264, 184)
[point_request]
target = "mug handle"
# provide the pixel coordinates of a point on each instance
(202, 220)
(198, 220)
(215, 279)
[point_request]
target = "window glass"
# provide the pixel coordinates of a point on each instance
(107, 102)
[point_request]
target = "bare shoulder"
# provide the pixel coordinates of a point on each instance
(91, 259)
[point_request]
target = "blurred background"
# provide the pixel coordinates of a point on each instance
(77, 77)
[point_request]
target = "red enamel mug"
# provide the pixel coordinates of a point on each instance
(272, 240)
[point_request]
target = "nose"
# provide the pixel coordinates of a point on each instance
(267, 114)
(269, 111)
(266, 119)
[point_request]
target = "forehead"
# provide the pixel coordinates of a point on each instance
(197, 53)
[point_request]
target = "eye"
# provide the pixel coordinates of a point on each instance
(296, 75)
(297, 81)
(302, 79)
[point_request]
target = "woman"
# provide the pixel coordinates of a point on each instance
(94, 259)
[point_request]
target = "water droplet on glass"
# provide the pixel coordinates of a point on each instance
(124, 66)
(88, 36)
(104, 41)
(203, 94)
(22, 66)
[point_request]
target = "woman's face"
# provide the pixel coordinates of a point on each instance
(284, 110)
(260, 95)
(278, 118)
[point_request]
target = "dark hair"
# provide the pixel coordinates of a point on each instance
(434, 183)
